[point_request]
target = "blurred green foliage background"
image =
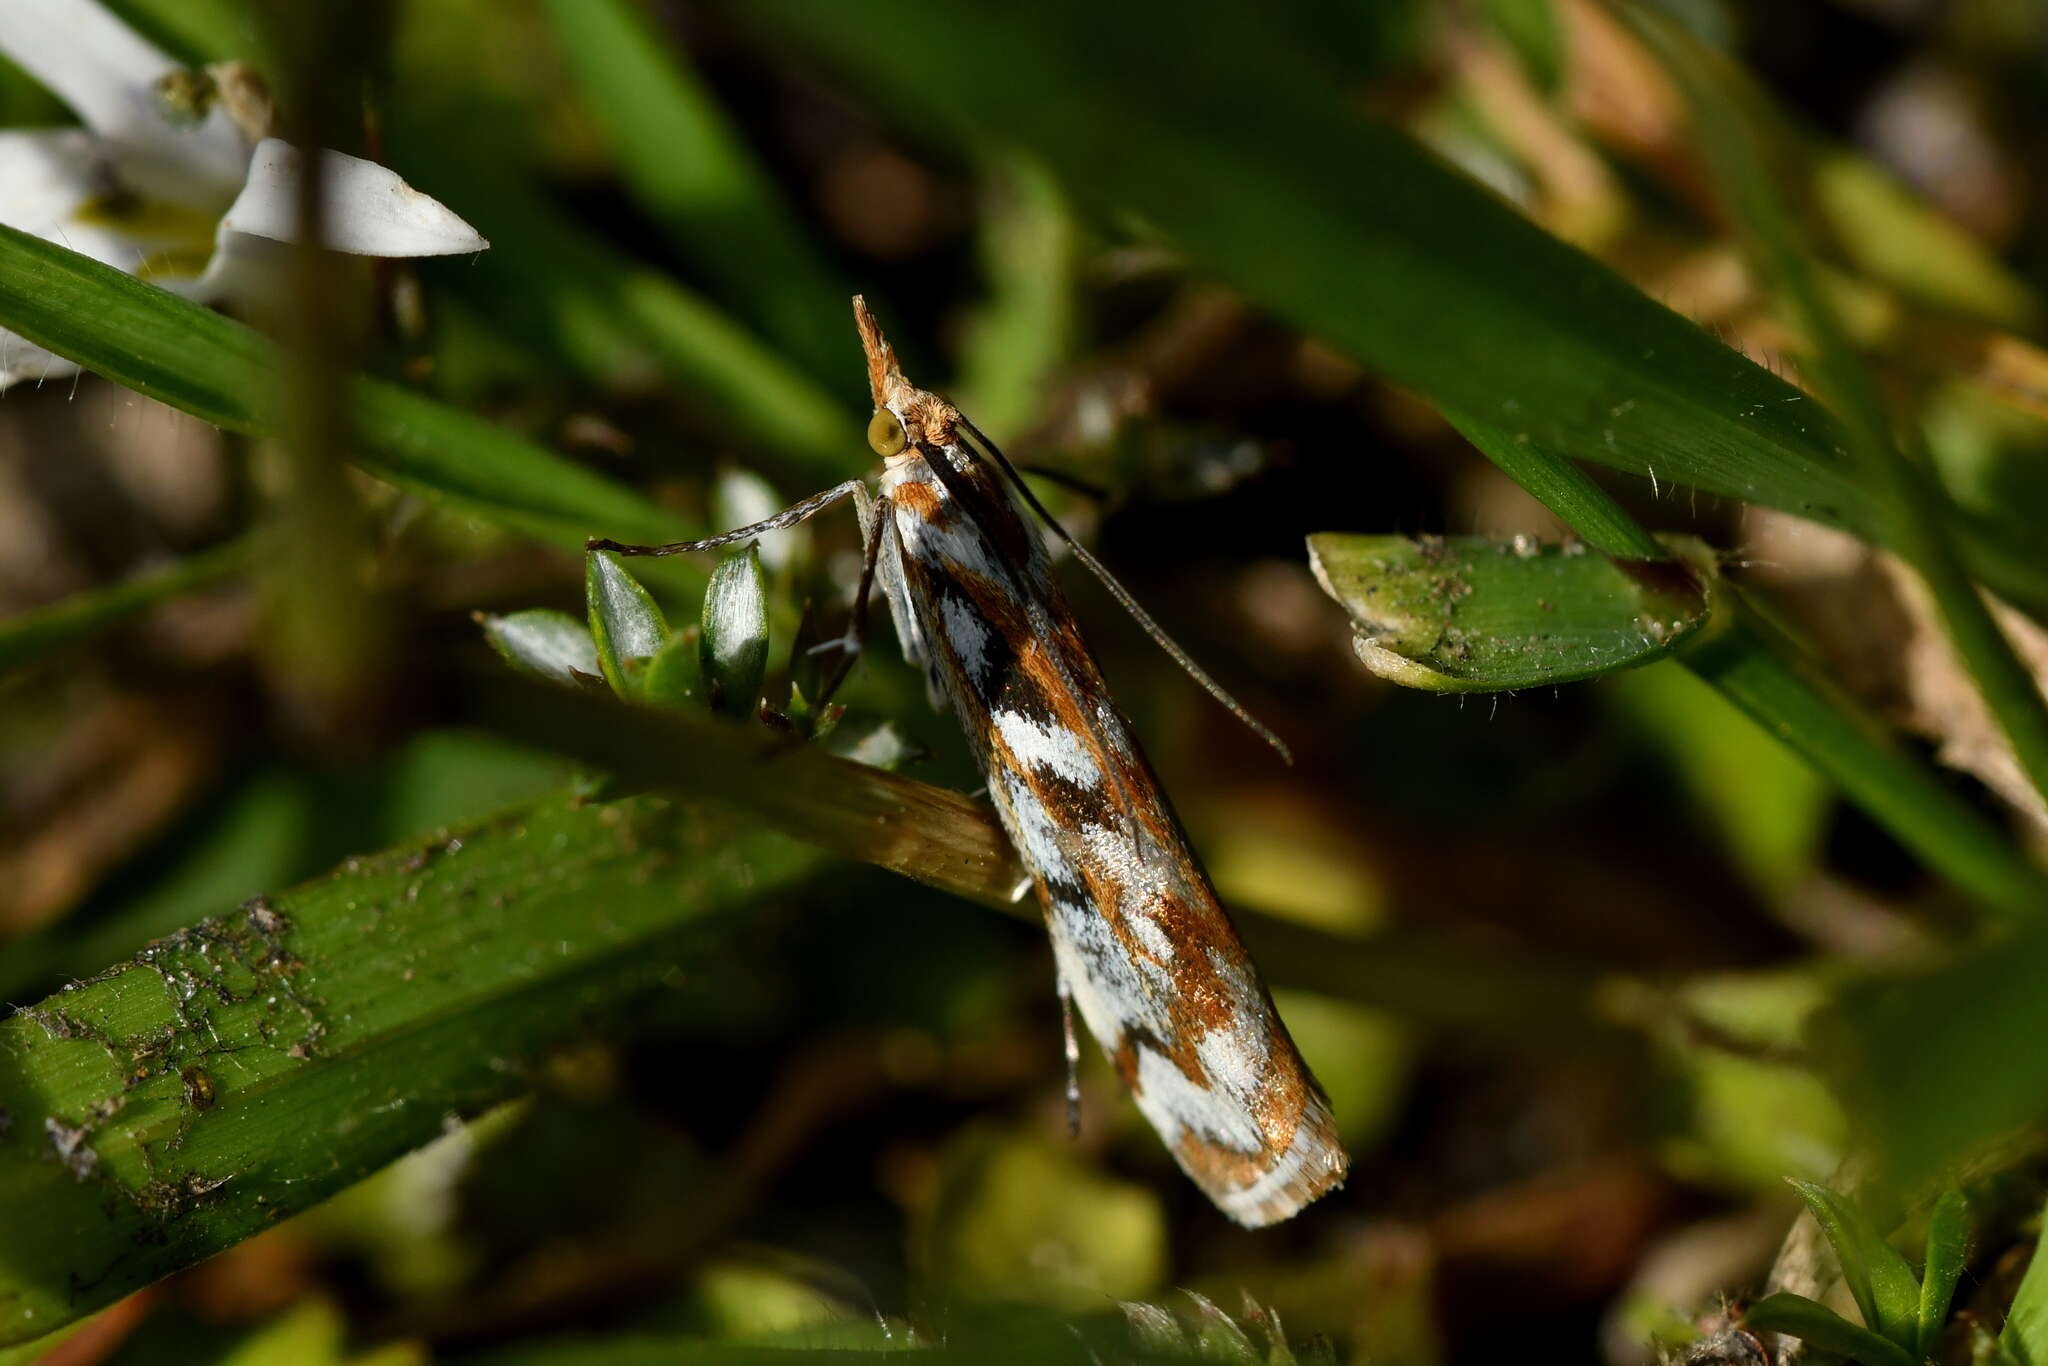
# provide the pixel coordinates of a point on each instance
(373, 1004)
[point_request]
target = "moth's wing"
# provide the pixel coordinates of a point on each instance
(1145, 947)
(1159, 974)
(1146, 951)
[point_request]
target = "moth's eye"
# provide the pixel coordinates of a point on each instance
(886, 434)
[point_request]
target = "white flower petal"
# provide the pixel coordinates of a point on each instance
(370, 211)
(21, 360)
(108, 73)
(245, 271)
(45, 174)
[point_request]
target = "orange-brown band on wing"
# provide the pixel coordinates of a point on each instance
(1261, 1189)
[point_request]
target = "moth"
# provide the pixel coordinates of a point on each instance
(1144, 951)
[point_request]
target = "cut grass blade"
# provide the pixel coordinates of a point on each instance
(243, 1069)
(1734, 128)
(1226, 138)
(1465, 614)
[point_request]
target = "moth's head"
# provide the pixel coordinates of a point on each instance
(906, 417)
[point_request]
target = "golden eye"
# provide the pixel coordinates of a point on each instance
(886, 434)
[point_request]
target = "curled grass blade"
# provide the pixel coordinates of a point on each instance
(1464, 614)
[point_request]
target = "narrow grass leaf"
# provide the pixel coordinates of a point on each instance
(2024, 1341)
(1464, 614)
(695, 175)
(1736, 129)
(618, 320)
(546, 643)
(214, 368)
(625, 621)
(1562, 487)
(40, 631)
(241, 1070)
(1226, 137)
(734, 649)
(1880, 1279)
(1758, 668)
(1948, 1238)
(1821, 1327)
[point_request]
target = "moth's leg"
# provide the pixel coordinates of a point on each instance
(908, 629)
(1073, 1044)
(782, 520)
(876, 518)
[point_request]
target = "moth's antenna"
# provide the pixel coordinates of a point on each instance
(1123, 595)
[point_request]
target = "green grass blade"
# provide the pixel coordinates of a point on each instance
(2024, 1341)
(1761, 671)
(39, 631)
(1915, 514)
(1465, 614)
(217, 369)
(246, 1068)
(1226, 138)
(698, 180)
(621, 321)
(1821, 1327)
(1880, 1279)
(1564, 488)
(1948, 1238)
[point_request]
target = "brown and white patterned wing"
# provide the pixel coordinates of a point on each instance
(1144, 948)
